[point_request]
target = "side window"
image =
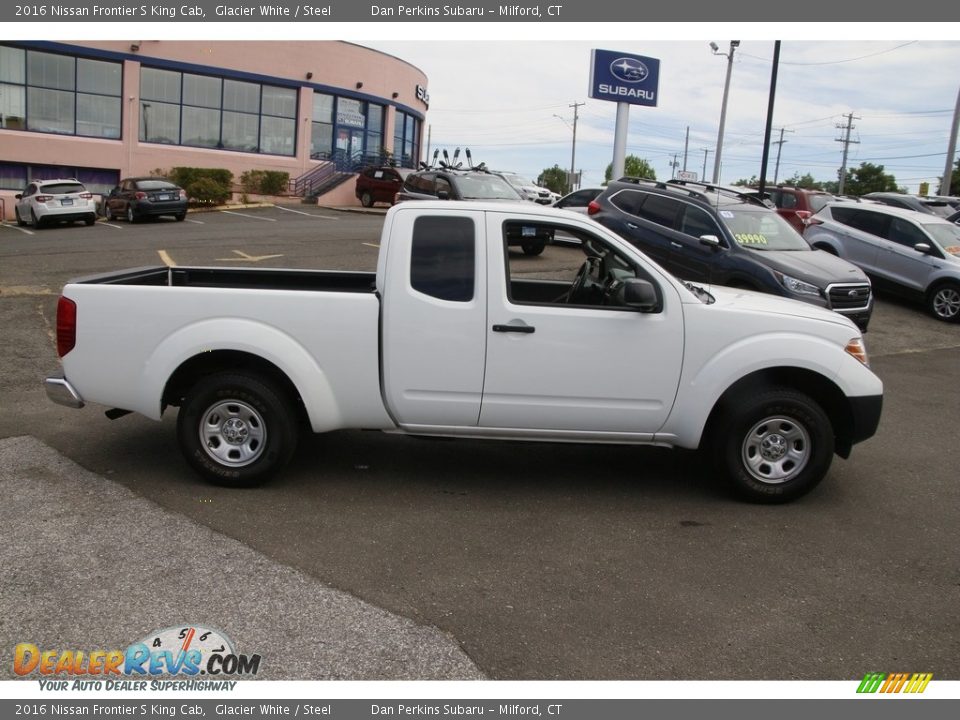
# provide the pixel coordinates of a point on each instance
(787, 201)
(629, 201)
(421, 183)
(697, 223)
(660, 210)
(443, 258)
(906, 233)
(443, 185)
(575, 269)
(870, 222)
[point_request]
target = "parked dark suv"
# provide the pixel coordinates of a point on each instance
(727, 236)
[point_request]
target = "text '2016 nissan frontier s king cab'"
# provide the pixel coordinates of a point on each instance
(461, 334)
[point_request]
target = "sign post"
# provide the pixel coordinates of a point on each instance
(626, 80)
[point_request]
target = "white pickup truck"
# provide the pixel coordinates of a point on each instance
(460, 334)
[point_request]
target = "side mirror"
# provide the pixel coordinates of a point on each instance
(640, 294)
(443, 195)
(923, 248)
(18, 196)
(711, 241)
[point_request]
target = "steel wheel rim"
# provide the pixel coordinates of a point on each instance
(233, 433)
(946, 303)
(776, 450)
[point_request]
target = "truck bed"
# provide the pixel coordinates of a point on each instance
(239, 278)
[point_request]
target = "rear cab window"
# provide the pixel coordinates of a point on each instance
(443, 257)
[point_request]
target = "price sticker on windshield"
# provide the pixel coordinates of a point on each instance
(953, 249)
(751, 239)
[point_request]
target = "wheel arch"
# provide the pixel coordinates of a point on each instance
(199, 366)
(820, 389)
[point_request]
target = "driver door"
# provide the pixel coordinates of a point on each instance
(559, 364)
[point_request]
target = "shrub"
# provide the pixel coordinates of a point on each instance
(206, 190)
(265, 182)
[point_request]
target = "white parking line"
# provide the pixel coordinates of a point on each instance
(110, 225)
(252, 217)
(373, 245)
(17, 227)
(301, 212)
(195, 222)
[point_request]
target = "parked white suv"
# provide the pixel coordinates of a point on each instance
(528, 189)
(911, 253)
(50, 201)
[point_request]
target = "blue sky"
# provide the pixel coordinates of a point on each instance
(501, 100)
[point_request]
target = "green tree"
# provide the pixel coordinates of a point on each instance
(805, 181)
(554, 179)
(634, 167)
(869, 178)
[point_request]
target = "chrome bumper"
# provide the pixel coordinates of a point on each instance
(62, 392)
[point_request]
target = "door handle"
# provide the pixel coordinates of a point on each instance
(677, 245)
(527, 329)
(632, 226)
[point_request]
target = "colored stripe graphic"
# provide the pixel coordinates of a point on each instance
(895, 682)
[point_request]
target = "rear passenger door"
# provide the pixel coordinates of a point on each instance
(648, 223)
(433, 326)
(860, 235)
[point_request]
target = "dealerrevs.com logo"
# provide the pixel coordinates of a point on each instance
(889, 683)
(185, 651)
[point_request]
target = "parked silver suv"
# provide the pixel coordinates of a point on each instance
(907, 252)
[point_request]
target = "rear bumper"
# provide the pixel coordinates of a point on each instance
(62, 392)
(160, 208)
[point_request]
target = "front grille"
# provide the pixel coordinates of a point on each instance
(849, 296)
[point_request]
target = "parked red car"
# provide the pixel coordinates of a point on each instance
(380, 184)
(795, 205)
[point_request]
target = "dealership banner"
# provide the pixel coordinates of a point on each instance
(615, 11)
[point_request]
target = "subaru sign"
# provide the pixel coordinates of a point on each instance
(624, 78)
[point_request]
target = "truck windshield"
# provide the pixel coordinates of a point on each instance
(761, 229)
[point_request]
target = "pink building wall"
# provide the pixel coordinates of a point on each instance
(339, 65)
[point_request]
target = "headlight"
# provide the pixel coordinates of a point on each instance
(857, 349)
(798, 286)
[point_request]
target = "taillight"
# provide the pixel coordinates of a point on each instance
(44, 198)
(803, 214)
(66, 325)
(86, 196)
(140, 195)
(593, 207)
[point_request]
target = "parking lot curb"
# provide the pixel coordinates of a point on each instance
(90, 564)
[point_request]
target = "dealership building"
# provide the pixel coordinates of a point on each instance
(105, 110)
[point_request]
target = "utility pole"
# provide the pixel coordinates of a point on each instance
(573, 152)
(951, 149)
(847, 142)
(706, 151)
(734, 44)
(686, 149)
(674, 164)
(779, 143)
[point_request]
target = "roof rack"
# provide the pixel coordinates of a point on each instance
(749, 195)
(681, 186)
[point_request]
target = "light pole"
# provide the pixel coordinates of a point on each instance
(734, 44)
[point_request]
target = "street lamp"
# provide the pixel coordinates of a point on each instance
(734, 44)
(573, 150)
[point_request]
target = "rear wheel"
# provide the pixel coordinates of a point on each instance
(34, 220)
(131, 216)
(237, 430)
(90, 220)
(943, 301)
(181, 216)
(366, 199)
(533, 248)
(773, 446)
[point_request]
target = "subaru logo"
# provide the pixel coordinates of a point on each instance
(629, 70)
(856, 293)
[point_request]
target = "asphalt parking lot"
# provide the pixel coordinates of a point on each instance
(534, 561)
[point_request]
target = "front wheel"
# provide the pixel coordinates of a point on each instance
(20, 221)
(774, 446)
(944, 302)
(237, 430)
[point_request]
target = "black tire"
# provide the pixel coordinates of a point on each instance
(237, 430)
(366, 199)
(131, 215)
(90, 220)
(180, 217)
(16, 212)
(533, 248)
(34, 221)
(943, 302)
(773, 446)
(108, 213)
